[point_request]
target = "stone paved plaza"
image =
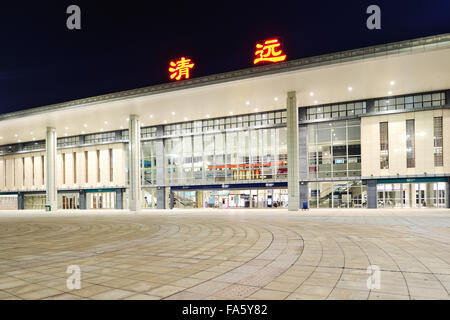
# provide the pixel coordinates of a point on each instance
(239, 254)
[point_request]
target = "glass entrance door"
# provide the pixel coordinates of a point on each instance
(419, 189)
(101, 200)
(68, 201)
(412, 195)
(439, 195)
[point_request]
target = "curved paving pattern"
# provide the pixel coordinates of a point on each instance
(226, 254)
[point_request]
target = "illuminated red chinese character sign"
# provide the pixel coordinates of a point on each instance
(268, 52)
(180, 68)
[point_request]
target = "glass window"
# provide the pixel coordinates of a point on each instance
(384, 146)
(410, 139)
(438, 142)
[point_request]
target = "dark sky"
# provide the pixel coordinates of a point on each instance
(128, 44)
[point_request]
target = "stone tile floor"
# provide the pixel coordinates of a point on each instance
(226, 254)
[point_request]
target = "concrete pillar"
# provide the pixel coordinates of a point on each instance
(119, 198)
(50, 169)
(160, 198)
(20, 201)
(160, 170)
(292, 147)
(303, 193)
(82, 200)
(134, 149)
(429, 194)
(303, 152)
(372, 194)
(447, 191)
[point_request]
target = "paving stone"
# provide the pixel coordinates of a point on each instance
(210, 254)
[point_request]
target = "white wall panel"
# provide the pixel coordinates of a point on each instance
(2, 173)
(424, 144)
(18, 174)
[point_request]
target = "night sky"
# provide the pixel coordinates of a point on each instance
(127, 44)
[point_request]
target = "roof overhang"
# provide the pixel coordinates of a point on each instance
(414, 68)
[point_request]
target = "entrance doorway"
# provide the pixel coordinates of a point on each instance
(68, 201)
(101, 200)
(412, 195)
(232, 198)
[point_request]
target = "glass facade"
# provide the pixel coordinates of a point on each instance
(248, 155)
(149, 198)
(412, 195)
(148, 162)
(410, 102)
(334, 149)
(8, 202)
(233, 198)
(234, 122)
(335, 111)
(101, 200)
(68, 200)
(34, 201)
(410, 144)
(68, 141)
(248, 149)
(438, 142)
(337, 194)
(334, 152)
(384, 145)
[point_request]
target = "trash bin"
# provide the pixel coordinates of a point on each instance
(305, 205)
(48, 207)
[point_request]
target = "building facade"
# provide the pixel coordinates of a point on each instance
(372, 149)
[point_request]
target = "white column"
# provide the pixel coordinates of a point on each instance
(50, 169)
(292, 149)
(134, 148)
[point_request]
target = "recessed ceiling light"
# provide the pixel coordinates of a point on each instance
(16, 135)
(151, 116)
(85, 125)
(276, 98)
(101, 129)
(247, 102)
(121, 127)
(390, 92)
(1, 138)
(231, 112)
(315, 101)
(173, 113)
(128, 119)
(165, 121)
(31, 133)
(207, 115)
(66, 128)
(349, 88)
(311, 94)
(34, 138)
(392, 83)
(106, 122)
(82, 132)
(65, 134)
(19, 140)
(256, 109)
(185, 118)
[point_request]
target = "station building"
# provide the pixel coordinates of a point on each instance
(365, 128)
